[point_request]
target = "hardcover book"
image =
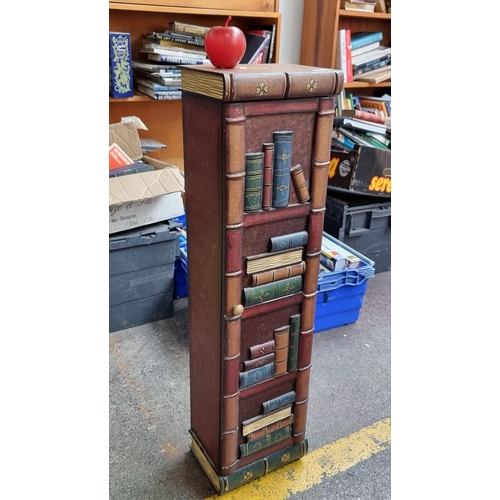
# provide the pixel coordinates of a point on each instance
(256, 375)
(287, 241)
(282, 161)
(180, 37)
(269, 428)
(270, 291)
(299, 183)
(267, 188)
(259, 350)
(265, 441)
(293, 348)
(120, 65)
(278, 274)
(254, 171)
(278, 402)
(261, 421)
(365, 38)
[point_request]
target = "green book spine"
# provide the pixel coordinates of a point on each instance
(282, 164)
(263, 466)
(278, 402)
(254, 174)
(269, 291)
(265, 441)
(293, 347)
(256, 375)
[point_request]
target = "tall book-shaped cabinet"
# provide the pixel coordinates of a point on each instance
(256, 155)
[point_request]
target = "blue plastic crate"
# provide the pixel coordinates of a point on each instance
(181, 287)
(340, 293)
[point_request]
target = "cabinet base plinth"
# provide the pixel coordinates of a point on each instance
(224, 484)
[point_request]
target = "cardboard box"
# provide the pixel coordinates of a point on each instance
(364, 170)
(146, 197)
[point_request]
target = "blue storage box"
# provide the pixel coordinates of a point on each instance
(340, 293)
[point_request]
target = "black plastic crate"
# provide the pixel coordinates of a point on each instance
(141, 275)
(362, 223)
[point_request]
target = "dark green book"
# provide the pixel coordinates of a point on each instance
(254, 174)
(278, 402)
(265, 441)
(293, 346)
(224, 484)
(256, 375)
(282, 163)
(274, 290)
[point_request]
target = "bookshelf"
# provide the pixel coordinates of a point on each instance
(321, 22)
(164, 118)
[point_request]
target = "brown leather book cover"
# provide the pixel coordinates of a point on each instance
(261, 81)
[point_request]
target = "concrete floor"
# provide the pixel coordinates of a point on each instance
(149, 414)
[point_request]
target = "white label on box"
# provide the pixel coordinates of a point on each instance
(147, 211)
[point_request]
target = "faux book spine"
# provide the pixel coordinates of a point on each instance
(255, 363)
(282, 161)
(265, 441)
(299, 183)
(267, 194)
(269, 291)
(293, 347)
(259, 350)
(120, 65)
(256, 375)
(278, 402)
(270, 428)
(281, 339)
(254, 170)
(280, 273)
(286, 241)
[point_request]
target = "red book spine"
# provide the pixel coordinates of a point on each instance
(235, 193)
(369, 117)
(348, 56)
(267, 188)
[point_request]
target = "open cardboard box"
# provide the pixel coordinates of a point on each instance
(363, 170)
(146, 197)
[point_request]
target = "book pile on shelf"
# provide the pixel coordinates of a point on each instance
(362, 57)
(158, 75)
(359, 5)
(361, 120)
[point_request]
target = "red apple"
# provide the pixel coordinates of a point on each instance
(225, 45)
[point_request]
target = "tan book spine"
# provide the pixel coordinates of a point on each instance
(299, 183)
(265, 262)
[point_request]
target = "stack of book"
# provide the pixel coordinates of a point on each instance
(370, 61)
(367, 124)
(158, 75)
(359, 5)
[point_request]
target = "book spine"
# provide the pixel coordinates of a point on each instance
(157, 87)
(278, 402)
(265, 262)
(319, 180)
(282, 161)
(281, 340)
(255, 363)
(372, 64)
(193, 29)
(177, 36)
(234, 179)
(287, 241)
(268, 148)
(269, 428)
(269, 291)
(262, 467)
(254, 171)
(294, 342)
(300, 184)
(369, 117)
(175, 59)
(259, 350)
(366, 69)
(278, 274)
(348, 56)
(365, 39)
(120, 65)
(256, 375)
(265, 441)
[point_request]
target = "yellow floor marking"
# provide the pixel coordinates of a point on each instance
(317, 465)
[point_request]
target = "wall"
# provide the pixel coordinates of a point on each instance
(291, 30)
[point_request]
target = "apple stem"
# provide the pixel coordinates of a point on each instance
(227, 21)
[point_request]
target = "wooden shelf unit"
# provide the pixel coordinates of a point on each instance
(321, 22)
(164, 118)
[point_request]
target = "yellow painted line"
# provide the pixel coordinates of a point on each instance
(316, 466)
